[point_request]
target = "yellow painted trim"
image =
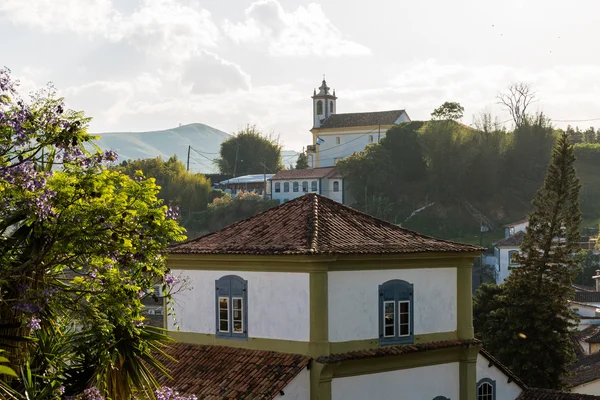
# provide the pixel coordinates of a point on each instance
(464, 302)
(319, 313)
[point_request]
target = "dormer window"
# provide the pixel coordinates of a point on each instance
(231, 297)
(319, 107)
(396, 312)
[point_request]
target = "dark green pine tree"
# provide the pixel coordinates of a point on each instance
(302, 162)
(529, 326)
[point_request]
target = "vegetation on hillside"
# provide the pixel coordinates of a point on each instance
(249, 152)
(527, 322)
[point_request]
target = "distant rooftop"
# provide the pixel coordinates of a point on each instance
(256, 178)
(362, 119)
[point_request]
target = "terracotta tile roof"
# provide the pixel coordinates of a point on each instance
(309, 173)
(587, 297)
(494, 361)
(398, 350)
(576, 346)
(590, 334)
(362, 119)
(217, 372)
(546, 394)
(514, 240)
(583, 288)
(313, 225)
(586, 369)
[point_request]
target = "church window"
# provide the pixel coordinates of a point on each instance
(336, 186)
(295, 186)
(277, 187)
(313, 186)
(337, 140)
(286, 187)
(486, 389)
(396, 312)
(305, 187)
(319, 107)
(231, 307)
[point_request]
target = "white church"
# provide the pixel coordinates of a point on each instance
(334, 137)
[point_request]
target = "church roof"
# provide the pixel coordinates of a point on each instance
(308, 173)
(511, 241)
(315, 225)
(362, 119)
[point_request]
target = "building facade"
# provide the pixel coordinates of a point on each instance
(506, 251)
(378, 310)
(290, 184)
(336, 136)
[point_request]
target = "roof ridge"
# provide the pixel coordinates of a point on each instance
(314, 234)
(369, 112)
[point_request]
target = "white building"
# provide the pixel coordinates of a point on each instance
(290, 184)
(506, 251)
(336, 136)
(315, 300)
(493, 377)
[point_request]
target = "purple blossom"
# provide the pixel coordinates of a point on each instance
(170, 279)
(141, 294)
(34, 324)
(167, 393)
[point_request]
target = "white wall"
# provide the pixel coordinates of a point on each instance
(504, 263)
(328, 192)
(282, 196)
(413, 383)
(504, 390)
(278, 304)
(298, 388)
(584, 311)
(588, 388)
(354, 301)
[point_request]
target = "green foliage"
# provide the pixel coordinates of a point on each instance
(79, 246)
(226, 210)
(302, 162)
(186, 190)
(247, 151)
(527, 322)
(448, 111)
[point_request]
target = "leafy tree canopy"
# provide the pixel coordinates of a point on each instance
(249, 152)
(302, 162)
(450, 110)
(79, 247)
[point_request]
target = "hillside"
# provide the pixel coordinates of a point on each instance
(203, 138)
(165, 143)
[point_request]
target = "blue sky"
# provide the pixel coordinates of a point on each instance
(152, 64)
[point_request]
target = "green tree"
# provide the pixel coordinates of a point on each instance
(302, 162)
(79, 247)
(178, 187)
(530, 324)
(448, 111)
(589, 135)
(249, 152)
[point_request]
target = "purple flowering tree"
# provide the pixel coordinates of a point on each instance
(78, 244)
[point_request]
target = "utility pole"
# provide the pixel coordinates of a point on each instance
(188, 159)
(237, 149)
(379, 134)
(265, 176)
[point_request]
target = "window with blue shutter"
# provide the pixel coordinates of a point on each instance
(486, 389)
(396, 312)
(231, 302)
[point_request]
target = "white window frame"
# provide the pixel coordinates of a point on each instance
(399, 319)
(393, 325)
(489, 392)
(241, 299)
(228, 322)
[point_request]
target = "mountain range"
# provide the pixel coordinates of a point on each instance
(205, 142)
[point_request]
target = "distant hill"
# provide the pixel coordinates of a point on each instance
(203, 138)
(133, 145)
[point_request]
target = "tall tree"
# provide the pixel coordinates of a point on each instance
(450, 110)
(529, 329)
(249, 152)
(302, 162)
(517, 100)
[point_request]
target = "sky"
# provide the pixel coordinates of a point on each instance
(136, 65)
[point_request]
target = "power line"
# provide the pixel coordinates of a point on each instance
(575, 120)
(345, 143)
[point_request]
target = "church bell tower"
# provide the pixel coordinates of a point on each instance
(323, 104)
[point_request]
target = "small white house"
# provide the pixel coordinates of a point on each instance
(495, 380)
(290, 184)
(506, 251)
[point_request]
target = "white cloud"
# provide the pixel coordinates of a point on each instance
(208, 73)
(166, 28)
(304, 32)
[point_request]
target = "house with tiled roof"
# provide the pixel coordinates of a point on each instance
(316, 300)
(495, 380)
(336, 136)
(506, 251)
(290, 184)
